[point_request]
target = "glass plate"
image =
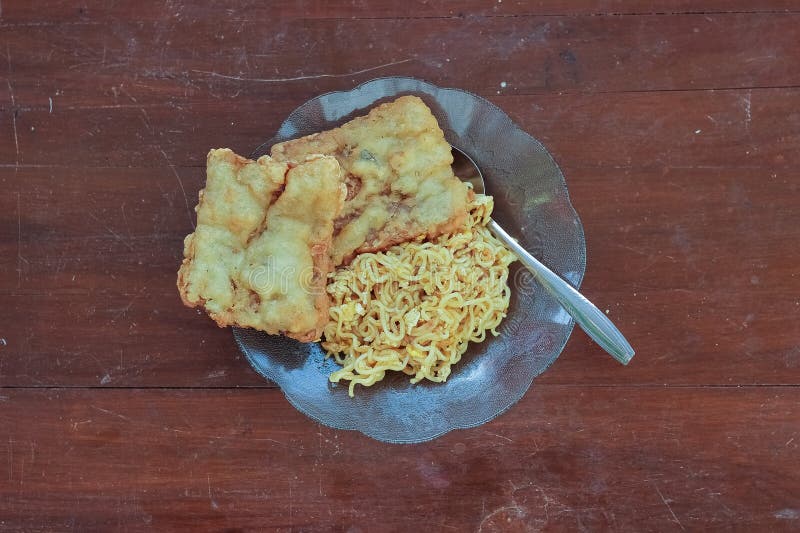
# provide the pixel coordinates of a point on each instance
(531, 203)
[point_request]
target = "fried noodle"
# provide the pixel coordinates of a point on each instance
(416, 307)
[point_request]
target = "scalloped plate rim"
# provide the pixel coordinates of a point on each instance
(569, 327)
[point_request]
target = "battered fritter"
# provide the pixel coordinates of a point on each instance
(400, 185)
(260, 255)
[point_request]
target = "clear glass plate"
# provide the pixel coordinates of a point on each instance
(531, 203)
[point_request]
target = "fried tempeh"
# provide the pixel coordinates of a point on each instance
(400, 184)
(260, 254)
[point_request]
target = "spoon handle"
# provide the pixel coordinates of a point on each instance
(590, 318)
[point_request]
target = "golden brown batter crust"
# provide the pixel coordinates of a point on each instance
(260, 254)
(400, 185)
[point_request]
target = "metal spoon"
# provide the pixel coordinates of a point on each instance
(590, 318)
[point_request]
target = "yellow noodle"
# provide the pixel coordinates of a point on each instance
(415, 307)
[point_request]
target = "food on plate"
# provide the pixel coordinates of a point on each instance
(260, 254)
(361, 234)
(415, 307)
(400, 184)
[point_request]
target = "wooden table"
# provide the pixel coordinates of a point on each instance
(677, 129)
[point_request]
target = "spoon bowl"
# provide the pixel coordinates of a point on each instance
(467, 170)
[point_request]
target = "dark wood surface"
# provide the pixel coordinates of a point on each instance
(677, 127)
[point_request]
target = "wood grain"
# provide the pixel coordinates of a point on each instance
(676, 126)
(660, 219)
(565, 458)
(171, 62)
(77, 12)
(101, 256)
(752, 129)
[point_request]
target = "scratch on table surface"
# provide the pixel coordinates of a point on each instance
(219, 437)
(211, 498)
(13, 107)
(337, 450)
(747, 115)
(126, 93)
(125, 220)
(268, 440)
(113, 233)
(513, 507)
(147, 120)
(112, 413)
(14, 118)
(180, 183)
(631, 249)
(547, 501)
(120, 311)
(669, 508)
(83, 107)
(10, 459)
(48, 24)
(20, 258)
(298, 78)
(715, 497)
(291, 509)
(760, 58)
(499, 436)
(787, 514)
(243, 57)
(318, 459)
(80, 423)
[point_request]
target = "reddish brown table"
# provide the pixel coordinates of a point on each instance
(677, 129)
